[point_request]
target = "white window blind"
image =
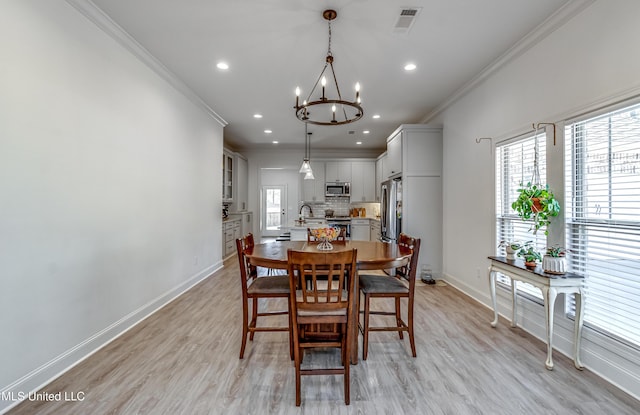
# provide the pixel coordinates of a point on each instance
(515, 165)
(603, 218)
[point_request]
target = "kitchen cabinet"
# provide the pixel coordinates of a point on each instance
(360, 230)
(337, 171)
(414, 149)
(417, 150)
(246, 222)
(394, 155)
(314, 190)
(241, 184)
(231, 230)
(227, 176)
(380, 170)
(374, 230)
(363, 181)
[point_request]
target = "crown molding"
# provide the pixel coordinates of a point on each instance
(115, 31)
(560, 17)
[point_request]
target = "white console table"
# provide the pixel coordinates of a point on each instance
(551, 285)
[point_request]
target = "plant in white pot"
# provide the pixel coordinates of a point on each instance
(554, 261)
(511, 248)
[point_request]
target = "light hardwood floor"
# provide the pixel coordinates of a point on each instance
(184, 360)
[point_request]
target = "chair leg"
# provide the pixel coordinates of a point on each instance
(297, 352)
(399, 317)
(365, 332)
(346, 346)
(254, 317)
(412, 340)
(291, 352)
(245, 325)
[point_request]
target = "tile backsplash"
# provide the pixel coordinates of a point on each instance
(341, 207)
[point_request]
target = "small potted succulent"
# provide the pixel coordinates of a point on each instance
(554, 261)
(511, 248)
(529, 254)
(536, 203)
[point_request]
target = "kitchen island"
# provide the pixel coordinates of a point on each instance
(298, 229)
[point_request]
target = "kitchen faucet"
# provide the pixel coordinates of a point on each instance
(310, 210)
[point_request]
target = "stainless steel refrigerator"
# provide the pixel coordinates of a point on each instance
(390, 210)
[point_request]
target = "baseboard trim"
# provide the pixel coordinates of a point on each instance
(37, 379)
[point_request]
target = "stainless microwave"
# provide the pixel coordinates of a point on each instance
(338, 189)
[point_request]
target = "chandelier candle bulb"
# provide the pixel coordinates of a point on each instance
(324, 83)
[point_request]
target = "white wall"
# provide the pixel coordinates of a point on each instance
(110, 191)
(588, 62)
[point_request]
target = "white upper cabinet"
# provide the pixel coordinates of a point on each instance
(337, 171)
(394, 155)
(227, 176)
(241, 184)
(313, 190)
(363, 181)
(414, 149)
(381, 173)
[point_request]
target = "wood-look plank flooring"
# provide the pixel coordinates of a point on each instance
(184, 360)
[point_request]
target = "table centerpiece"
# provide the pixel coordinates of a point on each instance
(325, 236)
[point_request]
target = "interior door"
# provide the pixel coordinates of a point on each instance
(273, 210)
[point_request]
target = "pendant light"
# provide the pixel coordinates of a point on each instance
(306, 165)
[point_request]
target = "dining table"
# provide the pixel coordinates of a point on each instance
(371, 255)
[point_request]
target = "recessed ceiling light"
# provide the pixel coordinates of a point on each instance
(223, 65)
(365, 132)
(375, 117)
(257, 115)
(410, 67)
(358, 142)
(268, 131)
(274, 142)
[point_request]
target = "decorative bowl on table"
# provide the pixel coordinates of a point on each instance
(325, 236)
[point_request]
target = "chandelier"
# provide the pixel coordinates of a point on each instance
(328, 111)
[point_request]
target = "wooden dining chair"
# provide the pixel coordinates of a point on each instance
(400, 285)
(322, 313)
(255, 288)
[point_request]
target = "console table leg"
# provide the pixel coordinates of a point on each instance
(578, 330)
(514, 303)
(492, 287)
(549, 305)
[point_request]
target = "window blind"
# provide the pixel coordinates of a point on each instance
(515, 165)
(602, 212)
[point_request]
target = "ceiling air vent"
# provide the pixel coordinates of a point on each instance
(406, 18)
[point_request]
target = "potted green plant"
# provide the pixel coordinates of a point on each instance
(529, 254)
(554, 261)
(536, 203)
(511, 248)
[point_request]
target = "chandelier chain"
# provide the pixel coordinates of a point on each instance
(329, 48)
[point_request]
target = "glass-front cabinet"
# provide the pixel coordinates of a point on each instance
(227, 177)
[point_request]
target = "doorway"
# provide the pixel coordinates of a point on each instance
(273, 210)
